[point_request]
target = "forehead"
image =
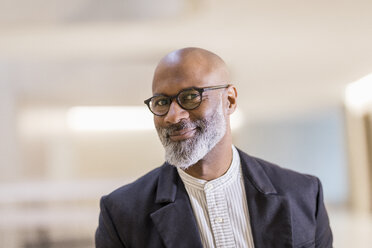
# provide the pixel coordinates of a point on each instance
(167, 87)
(170, 80)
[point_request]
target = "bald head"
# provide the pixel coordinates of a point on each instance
(191, 67)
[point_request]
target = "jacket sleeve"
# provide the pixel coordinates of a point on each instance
(106, 233)
(323, 235)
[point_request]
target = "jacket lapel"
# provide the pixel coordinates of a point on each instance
(269, 211)
(174, 221)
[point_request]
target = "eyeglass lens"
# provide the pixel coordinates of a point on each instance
(188, 99)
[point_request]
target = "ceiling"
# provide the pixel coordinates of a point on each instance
(286, 57)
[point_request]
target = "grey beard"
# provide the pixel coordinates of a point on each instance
(185, 153)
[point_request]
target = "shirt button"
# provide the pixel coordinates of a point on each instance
(219, 220)
(209, 186)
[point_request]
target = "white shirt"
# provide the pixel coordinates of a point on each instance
(220, 207)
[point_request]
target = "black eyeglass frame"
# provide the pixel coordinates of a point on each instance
(200, 90)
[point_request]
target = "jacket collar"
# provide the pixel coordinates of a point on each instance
(175, 221)
(167, 184)
(256, 175)
(269, 211)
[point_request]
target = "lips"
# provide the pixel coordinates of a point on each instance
(182, 134)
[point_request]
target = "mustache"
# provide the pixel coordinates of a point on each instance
(178, 127)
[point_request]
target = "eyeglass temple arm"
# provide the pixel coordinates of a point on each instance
(216, 87)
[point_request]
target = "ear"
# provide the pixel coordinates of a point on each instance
(232, 95)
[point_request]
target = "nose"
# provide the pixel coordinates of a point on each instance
(175, 113)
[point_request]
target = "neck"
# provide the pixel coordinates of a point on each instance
(215, 163)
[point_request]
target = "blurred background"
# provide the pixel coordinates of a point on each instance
(73, 126)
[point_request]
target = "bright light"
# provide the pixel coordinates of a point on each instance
(128, 118)
(36, 121)
(110, 118)
(358, 95)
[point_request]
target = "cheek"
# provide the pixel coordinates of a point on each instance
(200, 114)
(208, 108)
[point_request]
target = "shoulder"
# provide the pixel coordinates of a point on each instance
(285, 181)
(131, 195)
(126, 212)
(284, 178)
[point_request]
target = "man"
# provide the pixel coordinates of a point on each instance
(208, 193)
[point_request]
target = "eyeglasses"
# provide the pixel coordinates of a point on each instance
(188, 99)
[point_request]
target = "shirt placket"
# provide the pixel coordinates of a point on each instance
(218, 216)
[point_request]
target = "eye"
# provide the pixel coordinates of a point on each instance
(160, 102)
(190, 96)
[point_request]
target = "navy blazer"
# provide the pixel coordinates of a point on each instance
(286, 210)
